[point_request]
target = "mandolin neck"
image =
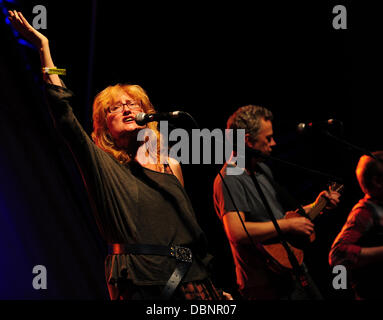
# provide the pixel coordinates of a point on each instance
(317, 208)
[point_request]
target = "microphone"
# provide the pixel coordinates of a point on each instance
(143, 118)
(304, 127)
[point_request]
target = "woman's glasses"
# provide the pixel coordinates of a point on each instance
(132, 105)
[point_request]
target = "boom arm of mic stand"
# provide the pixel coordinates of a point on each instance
(293, 165)
(350, 145)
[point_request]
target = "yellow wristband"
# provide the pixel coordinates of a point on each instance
(61, 72)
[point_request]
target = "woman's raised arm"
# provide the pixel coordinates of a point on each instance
(38, 40)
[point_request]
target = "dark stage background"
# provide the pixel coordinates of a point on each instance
(206, 59)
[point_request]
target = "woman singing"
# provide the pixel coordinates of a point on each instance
(157, 250)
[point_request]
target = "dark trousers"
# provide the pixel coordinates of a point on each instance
(125, 289)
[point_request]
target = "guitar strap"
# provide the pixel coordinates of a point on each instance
(297, 269)
(285, 197)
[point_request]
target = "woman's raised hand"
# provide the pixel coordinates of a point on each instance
(38, 40)
(30, 34)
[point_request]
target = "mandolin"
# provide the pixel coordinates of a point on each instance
(277, 252)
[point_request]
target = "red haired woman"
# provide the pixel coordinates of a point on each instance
(156, 247)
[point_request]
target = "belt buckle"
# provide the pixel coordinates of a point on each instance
(181, 253)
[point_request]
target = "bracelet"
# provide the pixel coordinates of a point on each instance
(61, 72)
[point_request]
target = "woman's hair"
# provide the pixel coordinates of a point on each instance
(368, 168)
(107, 97)
(249, 118)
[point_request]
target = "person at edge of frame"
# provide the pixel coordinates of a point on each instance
(359, 245)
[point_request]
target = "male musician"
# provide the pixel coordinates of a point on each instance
(359, 245)
(254, 277)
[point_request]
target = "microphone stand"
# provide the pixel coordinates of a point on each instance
(293, 165)
(350, 145)
(284, 162)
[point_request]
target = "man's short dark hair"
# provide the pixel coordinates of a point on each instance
(249, 118)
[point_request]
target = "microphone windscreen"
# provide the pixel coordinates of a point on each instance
(140, 118)
(301, 127)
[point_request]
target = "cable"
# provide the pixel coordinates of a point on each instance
(191, 118)
(228, 190)
(237, 211)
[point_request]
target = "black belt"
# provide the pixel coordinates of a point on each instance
(182, 255)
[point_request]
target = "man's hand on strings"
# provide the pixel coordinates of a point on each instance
(332, 198)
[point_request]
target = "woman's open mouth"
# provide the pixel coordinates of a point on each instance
(128, 119)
